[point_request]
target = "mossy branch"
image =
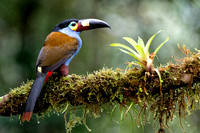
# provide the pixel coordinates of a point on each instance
(180, 81)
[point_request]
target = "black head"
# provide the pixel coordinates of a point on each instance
(64, 24)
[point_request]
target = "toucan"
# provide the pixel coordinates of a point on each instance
(59, 48)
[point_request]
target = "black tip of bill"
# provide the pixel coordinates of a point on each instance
(96, 23)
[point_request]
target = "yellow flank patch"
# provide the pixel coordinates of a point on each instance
(39, 69)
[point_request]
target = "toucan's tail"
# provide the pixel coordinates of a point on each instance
(33, 95)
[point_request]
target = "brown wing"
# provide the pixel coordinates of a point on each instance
(58, 47)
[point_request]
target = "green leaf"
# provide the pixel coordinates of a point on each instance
(140, 50)
(134, 56)
(140, 42)
(149, 41)
(125, 47)
(158, 48)
(131, 41)
(139, 47)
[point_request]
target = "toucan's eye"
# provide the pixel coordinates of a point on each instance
(73, 26)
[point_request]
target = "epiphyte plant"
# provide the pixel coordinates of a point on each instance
(141, 52)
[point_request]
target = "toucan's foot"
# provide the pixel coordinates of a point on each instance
(64, 70)
(26, 116)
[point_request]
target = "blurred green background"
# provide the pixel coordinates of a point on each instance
(24, 24)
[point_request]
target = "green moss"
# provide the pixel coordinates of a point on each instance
(107, 88)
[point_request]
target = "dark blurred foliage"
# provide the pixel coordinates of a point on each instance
(24, 24)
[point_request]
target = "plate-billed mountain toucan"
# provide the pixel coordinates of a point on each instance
(59, 48)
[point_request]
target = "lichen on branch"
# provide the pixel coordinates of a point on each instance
(180, 90)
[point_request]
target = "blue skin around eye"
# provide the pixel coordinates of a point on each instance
(76, 35)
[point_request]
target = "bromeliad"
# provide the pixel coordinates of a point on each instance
(141, 52)
(142, 55)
